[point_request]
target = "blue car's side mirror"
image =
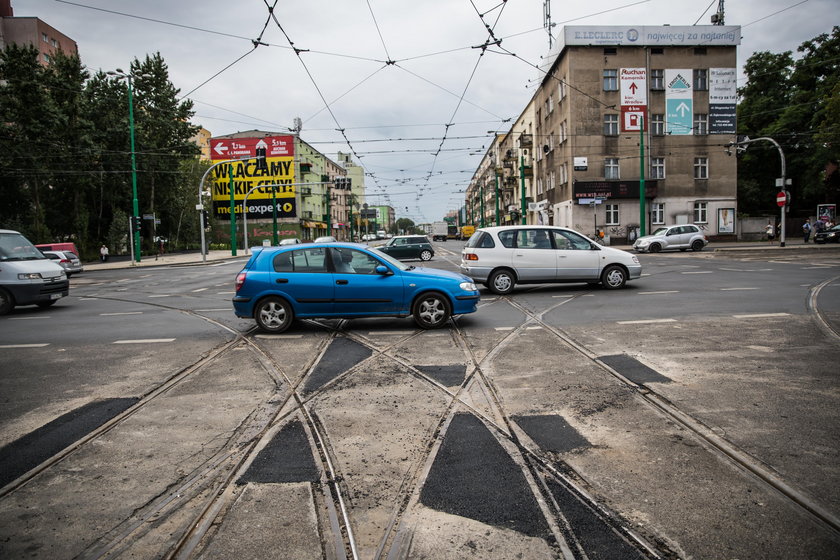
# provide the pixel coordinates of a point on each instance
(382, 269)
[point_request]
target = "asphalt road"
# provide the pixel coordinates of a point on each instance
(692, 414)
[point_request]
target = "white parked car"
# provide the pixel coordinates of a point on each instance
(503, 256)
(681, 237)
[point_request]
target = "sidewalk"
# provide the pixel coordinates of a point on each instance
(167, 259)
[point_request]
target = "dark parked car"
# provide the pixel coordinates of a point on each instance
(830, 235)
(345, 280)
(408, 247)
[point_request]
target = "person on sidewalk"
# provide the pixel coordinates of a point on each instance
(806, 229)
(770, 231)
(103, 253)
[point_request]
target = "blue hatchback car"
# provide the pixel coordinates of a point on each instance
(345, 280)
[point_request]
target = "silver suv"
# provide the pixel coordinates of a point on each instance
(503, 256)
(672, 237)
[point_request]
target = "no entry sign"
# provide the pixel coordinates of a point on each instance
(781, 198)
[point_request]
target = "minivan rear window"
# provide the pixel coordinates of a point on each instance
(481, 240)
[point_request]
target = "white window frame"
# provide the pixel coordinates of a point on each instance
(610, 79)
(701, 124)
(610, 124)
(551, 181)
(539, 185)
(612, 170)
(561, 90)
(701, 168)
(701, 212)
(700, 79)
(657, 124)
(657, 79)
(612, 215)
(657, 168)
(657, 213)
(551, 103)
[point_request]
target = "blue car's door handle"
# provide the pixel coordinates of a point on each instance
(282, 280)
(342, 282)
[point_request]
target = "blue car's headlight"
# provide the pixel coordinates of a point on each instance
(468, 286)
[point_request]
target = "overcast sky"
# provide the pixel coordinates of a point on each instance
(395, 115)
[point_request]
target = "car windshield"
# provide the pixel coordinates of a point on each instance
(15, 247)
(660, 231)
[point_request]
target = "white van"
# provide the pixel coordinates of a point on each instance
(27, 277)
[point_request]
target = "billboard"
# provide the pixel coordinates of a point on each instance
(722, 98)
(248, 176)
(679, 102)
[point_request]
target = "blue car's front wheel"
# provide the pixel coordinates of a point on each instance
(431, 310)
(273, 314)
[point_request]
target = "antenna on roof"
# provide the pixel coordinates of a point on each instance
(547, 21)
(717, 18)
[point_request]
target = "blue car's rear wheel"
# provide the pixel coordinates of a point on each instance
(431, 310)
(273, 314)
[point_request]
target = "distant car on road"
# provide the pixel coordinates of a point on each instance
(681, 237)
(325, 239)
(408, 247)
(345, 280)
(290, 241)
(831, 235)
(501, 257)
(68, 261)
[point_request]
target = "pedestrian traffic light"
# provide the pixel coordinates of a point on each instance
(259, 153)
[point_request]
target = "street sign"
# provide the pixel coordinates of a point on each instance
(781, 198)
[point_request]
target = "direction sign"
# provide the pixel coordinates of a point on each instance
(781, 198)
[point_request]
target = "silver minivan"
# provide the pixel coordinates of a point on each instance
(27, 277)
(501, 257)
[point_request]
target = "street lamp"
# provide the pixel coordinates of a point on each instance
(135, 216)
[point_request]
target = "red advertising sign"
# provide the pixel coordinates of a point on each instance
(235, 148)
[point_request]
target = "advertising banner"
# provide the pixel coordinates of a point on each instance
(633, 89)
(679, 102)
(279, 170)
(722, 98)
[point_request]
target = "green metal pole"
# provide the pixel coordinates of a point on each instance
(496, 173)
(329, 216)
(642, 177)
(482, 205)
(135, 203)
(232, 212)
(274, 213)
(522, 186)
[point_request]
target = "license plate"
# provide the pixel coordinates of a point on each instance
(55, 296)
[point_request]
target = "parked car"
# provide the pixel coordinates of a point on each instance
(369, 237)
(290, 241)
(68, 261)
(830, 235)
(60, 246)
(345, 280)
(27, 277)
(325, 239)
(501, 257)
(408, 247)
(681, 237)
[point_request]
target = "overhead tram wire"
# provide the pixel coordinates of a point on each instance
(346, 93)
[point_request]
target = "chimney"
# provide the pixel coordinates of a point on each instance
(6, 8)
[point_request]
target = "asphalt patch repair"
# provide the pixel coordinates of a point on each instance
(286, 458)
(633, 369)
(341, 355)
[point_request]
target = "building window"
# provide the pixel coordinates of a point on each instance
(700, 212)
(44, 38)
(610, 125)
(657, 213)
(547, 111)
(701, 124)
(561, 89)
(54, 43)
(539, 185)
(550, 143)
(612, 214)
(46, 58)
(610, 50)
(564, 174)
(610, 80)
(657, 168)
(701, 168)
(657, 79)
(551, 181)
(701, 79)
(550, 103)
(657, 124)
(562, 133)
(699, 50)
(657, 50)
(611, 168)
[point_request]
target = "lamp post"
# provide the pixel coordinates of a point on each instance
(135, 215)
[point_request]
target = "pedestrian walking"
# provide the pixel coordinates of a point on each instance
(819, 225)
(770, 231)
(806, 229)
(103, 253)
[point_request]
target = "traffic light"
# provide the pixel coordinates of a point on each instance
(137, 222)
(206, 216)
(259, 153)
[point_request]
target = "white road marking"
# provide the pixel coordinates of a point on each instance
(160, 295)
(274, 336)
(534, 328)
(698, 272)
(645, 321)
(224, 293)
(144, 341)
(656, 293)
(504, 328)
(734, 289)
(24, 345)
(28, 318)
(565, 295)
(199, 290)
(122, 313)
(389, 333)
(761, 315)
(206, 310)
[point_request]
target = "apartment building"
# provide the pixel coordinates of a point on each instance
(630, 127)
(33, 31)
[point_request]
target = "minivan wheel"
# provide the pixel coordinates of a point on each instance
(273, 314)
(655, 248)
(501, 282)
(425, 255)
(613, 277)
(431, 310)
(6, 302)
(697, 245)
